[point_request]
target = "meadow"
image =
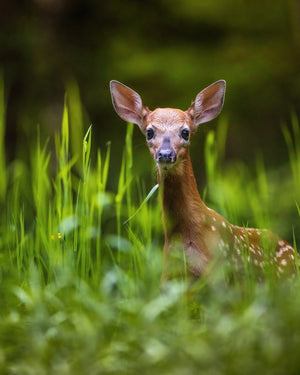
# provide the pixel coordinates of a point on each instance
(80, 265)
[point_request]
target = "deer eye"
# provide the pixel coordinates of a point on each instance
(150, 134)
(185, 134)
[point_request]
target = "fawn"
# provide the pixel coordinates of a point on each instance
(189, 225)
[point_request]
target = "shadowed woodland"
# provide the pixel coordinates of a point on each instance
(166, 50)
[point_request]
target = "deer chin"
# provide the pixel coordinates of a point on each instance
(164, 167)
(171, 168)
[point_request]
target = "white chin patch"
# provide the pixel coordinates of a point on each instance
(165, 167)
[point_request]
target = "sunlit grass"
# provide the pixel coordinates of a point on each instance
(80, 267)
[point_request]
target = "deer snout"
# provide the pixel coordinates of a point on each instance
(166, 156)
(166, 153)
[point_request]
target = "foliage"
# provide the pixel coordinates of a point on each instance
(80, 284)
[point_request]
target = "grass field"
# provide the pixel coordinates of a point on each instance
(80, 284)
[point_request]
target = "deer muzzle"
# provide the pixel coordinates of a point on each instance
(166, 153)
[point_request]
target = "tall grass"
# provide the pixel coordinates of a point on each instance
(3, 181)
(80, 268)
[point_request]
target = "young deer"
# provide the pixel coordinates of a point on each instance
(189, 225)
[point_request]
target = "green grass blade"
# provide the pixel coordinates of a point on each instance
(149, 195)
(3, 169)
(76, 121)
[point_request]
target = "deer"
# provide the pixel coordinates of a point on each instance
(197, 235)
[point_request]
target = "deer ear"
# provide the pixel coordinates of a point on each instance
(208, 103)
(127, 103)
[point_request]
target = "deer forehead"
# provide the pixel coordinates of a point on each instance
(168, 119)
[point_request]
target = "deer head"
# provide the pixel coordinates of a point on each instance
(168, 131)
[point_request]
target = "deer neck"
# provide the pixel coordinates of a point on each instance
(183, 209)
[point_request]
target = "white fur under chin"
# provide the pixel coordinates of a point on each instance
(164, 167)
(175, 168)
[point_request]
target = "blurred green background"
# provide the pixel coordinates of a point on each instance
(79, 288)
(167, 50)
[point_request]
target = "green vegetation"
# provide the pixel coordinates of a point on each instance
(80, 284)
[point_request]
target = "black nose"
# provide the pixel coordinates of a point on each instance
(166, 156)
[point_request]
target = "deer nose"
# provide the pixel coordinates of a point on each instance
(166, 156)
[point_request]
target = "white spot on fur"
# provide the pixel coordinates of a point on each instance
(282, 251)
(213, 228)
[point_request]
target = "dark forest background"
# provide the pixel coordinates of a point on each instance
(167, 50)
